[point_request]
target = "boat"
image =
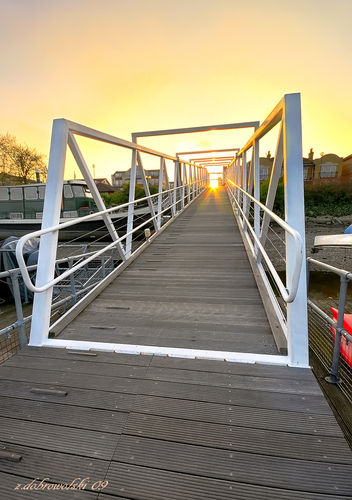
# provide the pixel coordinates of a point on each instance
(345, 346)
(21, 211)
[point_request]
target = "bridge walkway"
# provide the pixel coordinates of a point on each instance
(157, 427)
(192, 288)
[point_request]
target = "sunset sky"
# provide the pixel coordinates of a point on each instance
(122, 66)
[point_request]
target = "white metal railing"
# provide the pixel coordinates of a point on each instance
(189, 181)
(72, 222)
(288, 293)
(243, 181)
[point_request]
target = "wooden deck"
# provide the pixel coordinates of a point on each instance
(143, 427)
(191, 288)
(166, 428)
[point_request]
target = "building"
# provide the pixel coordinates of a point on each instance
(104, 186)
(265, 166)
(327, 166)
(119, 177)
(347, 167)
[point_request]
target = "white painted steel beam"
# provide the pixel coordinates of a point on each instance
(297, 320)
(76, 152)
(191, 130)
(48, 242)
(130, 215)
(235, 357)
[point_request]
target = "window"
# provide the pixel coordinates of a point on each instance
(305, 173)
(41, 191)
(30, 193)
(328, 169)
(4, 194)
(16, 193)
(78, 191)
(263, 173)
(67, 191)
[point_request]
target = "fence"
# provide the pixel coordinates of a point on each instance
(330, 329)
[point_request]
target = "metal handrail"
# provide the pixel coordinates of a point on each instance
(288, 294)
(22, 241)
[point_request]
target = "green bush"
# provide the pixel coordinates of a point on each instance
(122, 196)
(328, 197)
(279, 203)
(323, 197)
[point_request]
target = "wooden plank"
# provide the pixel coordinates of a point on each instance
(65, 415)
(278, 443)
(87, 398)
(243, 416)
(59, 438)
(146, 483)
(65, 380)
(260, 470)
(235, 381)
(78, 365)
(250, 398)
(59, 467)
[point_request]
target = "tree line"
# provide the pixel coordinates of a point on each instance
(19, 162)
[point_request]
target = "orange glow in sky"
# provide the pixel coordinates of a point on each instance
(123, 66)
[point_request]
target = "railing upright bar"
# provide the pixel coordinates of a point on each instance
(174, 208)
(160, 195)
(333, 378)
(130, 216)
(256, 170)
(18, 305)
(297, 318)
(48, 243)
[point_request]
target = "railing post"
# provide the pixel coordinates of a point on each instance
(297, 322)
(182, 176)
(72, 283)
(333, 378)
(48, 242)
(18, 305)
(160, 195)
(256, 173)
(130, 216)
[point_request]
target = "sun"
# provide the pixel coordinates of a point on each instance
(213, 183)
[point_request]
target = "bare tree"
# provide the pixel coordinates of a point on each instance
(19, 162)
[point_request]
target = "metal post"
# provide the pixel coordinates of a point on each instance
(130, 216)
(48, 242)
(182, 176)
(297, 321)
(174, 208)
(72, 282)
(18, 305)
(160, 195)
(256, 173)
(333, 378)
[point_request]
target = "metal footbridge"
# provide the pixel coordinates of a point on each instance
(184, 373)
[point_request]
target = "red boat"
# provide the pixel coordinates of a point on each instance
(345, 346)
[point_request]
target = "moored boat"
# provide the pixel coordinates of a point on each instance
(21, 211)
